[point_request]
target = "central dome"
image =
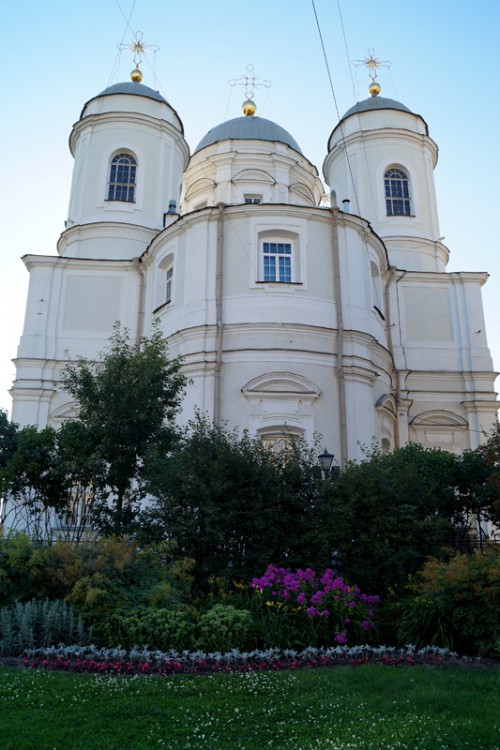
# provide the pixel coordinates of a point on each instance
(248, 129)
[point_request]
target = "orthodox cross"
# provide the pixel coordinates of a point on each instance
(373, 63)
(249, 82)
(139, 48)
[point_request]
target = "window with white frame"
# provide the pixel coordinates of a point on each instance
(169, 276)
(376, 286)
(252, 198)
(397, 192)
(164, 284)
(277, 260)
(122, 178)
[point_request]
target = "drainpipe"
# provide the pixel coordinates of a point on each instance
(140, 312)
(390, 346)
(340, 338)
(219, 277)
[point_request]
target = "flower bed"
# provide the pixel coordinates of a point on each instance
(332, 608)
(89, 659)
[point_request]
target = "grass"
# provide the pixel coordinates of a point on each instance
(368, 707)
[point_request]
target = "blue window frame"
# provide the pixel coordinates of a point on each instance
(122, 178)
(397, 193)
(277, 261)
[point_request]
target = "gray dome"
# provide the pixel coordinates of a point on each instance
(372, 104)
(133, 88)
(127, 87)
(136, 89)
(375, 102)
(248, 129)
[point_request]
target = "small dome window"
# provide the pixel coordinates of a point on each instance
(122, 178)
(397, 192)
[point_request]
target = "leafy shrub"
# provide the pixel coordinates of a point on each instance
(223, 628)
(17, 579)
(455, 604)
(156, 628)
(32, 570)
(38, 624)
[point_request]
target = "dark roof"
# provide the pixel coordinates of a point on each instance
(372, 104)
(376, 102)
(248, 129)
(131, 87)
(135, 89)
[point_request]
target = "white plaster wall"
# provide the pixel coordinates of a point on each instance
(149, 131)
(226, 171)
(366, 145)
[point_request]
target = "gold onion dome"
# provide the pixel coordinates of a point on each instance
(249, 108)
(136, 75)
(374, 88)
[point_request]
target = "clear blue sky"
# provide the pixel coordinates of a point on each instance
(59, 54)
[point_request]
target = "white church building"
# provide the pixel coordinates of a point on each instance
(292, 317)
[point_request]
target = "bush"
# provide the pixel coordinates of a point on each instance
(37, 624)
(455, 604)
(160, 629)
(305, 609)
(223, 628)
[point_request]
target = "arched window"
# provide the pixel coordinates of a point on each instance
(165, 282)
(169, 277)
(122, 178)
(397, 192)
(376, 286)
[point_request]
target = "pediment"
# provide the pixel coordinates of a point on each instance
(281, 382)
(65, 412)
(204, 183)
(254, 175)
(438, 418)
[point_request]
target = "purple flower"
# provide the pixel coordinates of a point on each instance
(317, 597)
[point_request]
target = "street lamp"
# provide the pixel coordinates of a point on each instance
(325, 461)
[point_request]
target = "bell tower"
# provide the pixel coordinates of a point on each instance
(130, 154)
(381, 159)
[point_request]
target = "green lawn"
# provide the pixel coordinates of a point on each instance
(381, 708)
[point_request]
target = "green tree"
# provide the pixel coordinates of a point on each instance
(8, 441)
(390, 512)
(127, 404)
(489, 492)
(34, 481)
(44, 475)
(231, 504)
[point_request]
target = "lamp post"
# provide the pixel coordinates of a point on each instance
(325, 461)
